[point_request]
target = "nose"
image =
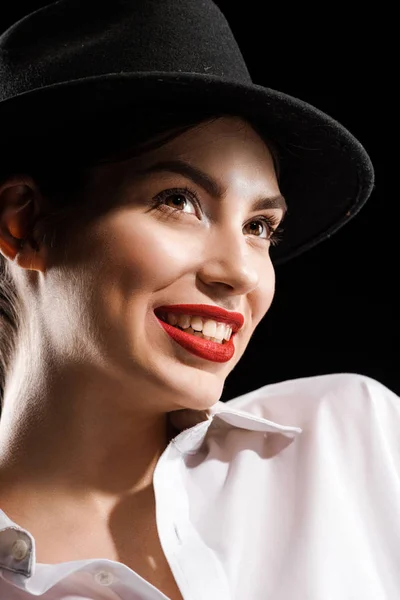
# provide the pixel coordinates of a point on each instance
(230, 259)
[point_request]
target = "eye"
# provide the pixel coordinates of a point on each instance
(274, 233)
(176, 197)
(179, 196)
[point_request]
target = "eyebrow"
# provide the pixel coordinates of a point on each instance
(210, 185)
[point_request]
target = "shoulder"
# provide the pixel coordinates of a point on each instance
(340, 396)
(350, 425)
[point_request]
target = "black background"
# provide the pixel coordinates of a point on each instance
(335, 308)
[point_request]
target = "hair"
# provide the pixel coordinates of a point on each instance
(60, 169)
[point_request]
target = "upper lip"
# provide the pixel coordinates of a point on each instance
(233, 319)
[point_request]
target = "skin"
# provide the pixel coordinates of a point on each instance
(85, 414)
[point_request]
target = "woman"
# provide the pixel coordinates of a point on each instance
(145, 179)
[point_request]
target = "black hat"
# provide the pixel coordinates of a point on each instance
(71, 60)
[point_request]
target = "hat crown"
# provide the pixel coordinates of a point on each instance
(71, 39)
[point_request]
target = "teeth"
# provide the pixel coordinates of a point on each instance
(222, 331)
(183, 321)
(196, 323)
(172, 319)
(208, 327)
(201, 335)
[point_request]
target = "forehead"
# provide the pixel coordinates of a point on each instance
(222, 143)
(222, 131)
(216, 156)
(222, 152)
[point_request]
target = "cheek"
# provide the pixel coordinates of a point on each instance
(142, 251)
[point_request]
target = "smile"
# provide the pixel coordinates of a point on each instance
(208, 329)
(221, 351)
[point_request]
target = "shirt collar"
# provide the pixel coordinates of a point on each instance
(192, 425)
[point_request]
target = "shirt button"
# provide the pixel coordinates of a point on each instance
(104, 577)
(19, 549)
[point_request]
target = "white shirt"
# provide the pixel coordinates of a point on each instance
(289, 492)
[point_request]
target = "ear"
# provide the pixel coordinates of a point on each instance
(21, 205)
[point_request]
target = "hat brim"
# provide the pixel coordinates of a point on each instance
(326, 174)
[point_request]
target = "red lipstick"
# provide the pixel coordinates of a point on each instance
(200, 347)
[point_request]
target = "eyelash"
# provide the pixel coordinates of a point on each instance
(275, 232)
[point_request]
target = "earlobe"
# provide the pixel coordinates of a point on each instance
(16, 222)
(10, 246)
(22, 252)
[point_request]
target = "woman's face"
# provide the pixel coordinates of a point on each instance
(136, 257)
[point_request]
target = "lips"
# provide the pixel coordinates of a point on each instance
(206, 311)
(201, 347)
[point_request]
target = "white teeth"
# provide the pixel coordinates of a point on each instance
(209, 328)
(221, 331)
(196, 323)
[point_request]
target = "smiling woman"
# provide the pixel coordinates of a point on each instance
(143, 186)
(68, 206)
(98, 256)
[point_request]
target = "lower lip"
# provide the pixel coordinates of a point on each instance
(199, 346)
